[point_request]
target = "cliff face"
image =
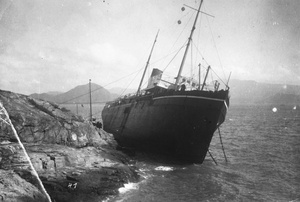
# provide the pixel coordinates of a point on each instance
(39, 121)
(74, 160)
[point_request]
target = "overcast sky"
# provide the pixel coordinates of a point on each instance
(59, 44)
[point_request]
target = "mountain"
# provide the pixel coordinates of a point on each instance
(79, 94)
(46, 96)
(54, 93)
(245, 92)
(248, 92)
(252, 92)
(284, 99)
(43, 96)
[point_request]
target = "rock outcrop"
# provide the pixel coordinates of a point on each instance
(75, 160)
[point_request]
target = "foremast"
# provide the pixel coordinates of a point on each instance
(147, 64)
(187, 48)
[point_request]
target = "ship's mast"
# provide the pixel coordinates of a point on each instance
(147, 64)
(187, 48)
(199, 76)
(204, 82)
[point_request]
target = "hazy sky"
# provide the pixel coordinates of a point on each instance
(55, 45)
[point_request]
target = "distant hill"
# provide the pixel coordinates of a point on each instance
(284, 99)
(43, 96)
(242, 92)
(247, 92)
(252, 92)
(79, 94)
(54, 93)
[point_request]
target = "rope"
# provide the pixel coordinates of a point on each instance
(215, 47)
(184, 28)
(8, 121)
(100, 87)
(208, 64)
(130, 82)
(174, 57)
(173, 45)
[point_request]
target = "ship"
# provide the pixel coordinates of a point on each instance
(175, 118)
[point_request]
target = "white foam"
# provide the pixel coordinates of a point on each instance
(143, 170)
(164, 168)
(128, 187)
(144, 173)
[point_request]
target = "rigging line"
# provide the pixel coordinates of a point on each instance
(201, 54)
(102, 87)
(145, 82)
(176, 23)
(218, 76)
(164, 56)
(182, 31)
(215, 74)
(210, 68)
(119, 96)
(174, 57)
(25, 152)
(213, 38)
(184, 28)
(198, 39)
(131, 82)
(185, 14)
(199, 32)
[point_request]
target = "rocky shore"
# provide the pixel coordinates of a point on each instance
(75, 160)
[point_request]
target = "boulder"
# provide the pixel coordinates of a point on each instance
(75, 160)
(38, 121)
(15, 188)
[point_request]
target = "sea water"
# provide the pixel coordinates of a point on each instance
(262, 146)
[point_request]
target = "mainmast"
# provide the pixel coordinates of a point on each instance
(187, 48)
(147, 64)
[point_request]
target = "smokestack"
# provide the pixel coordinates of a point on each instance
(154, 78)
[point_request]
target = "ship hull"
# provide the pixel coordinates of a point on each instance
(180, 124)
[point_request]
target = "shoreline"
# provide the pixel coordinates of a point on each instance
(74, 160)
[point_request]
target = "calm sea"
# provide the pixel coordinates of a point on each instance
(263, 151)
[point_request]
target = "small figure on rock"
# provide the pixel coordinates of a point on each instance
(96, 123)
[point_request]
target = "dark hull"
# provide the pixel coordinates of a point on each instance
(178, 123)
